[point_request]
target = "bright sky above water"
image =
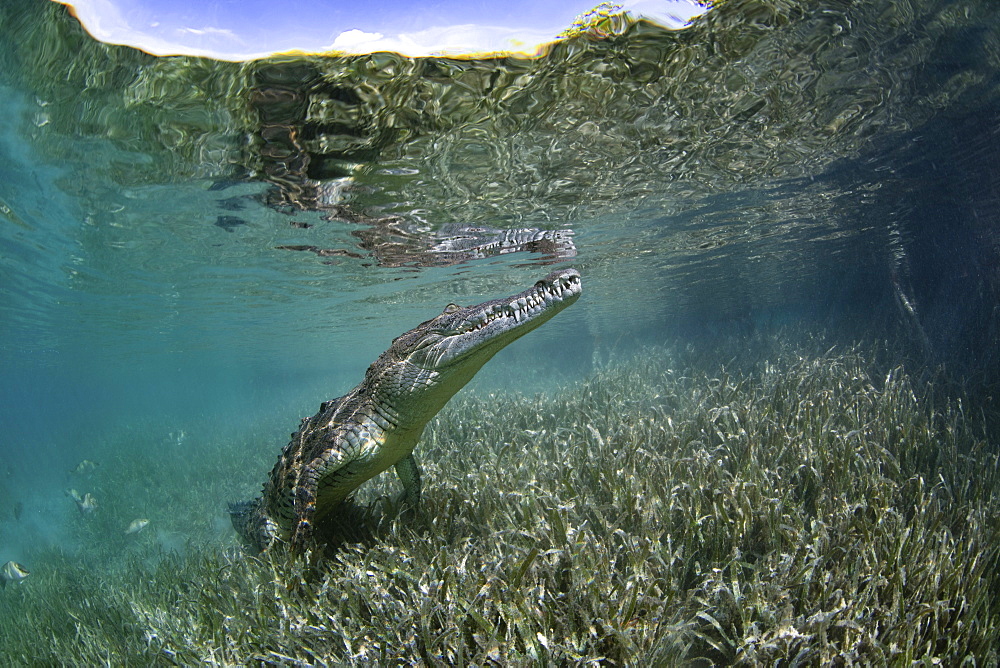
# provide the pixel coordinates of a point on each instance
(246, 29)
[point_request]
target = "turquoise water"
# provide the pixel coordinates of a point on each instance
(195, 251)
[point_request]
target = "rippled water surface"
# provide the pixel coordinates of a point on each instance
(200, 242)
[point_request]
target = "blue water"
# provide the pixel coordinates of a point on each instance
(143, 286)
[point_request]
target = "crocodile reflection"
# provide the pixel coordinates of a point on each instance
(312, 130)
(394, 244)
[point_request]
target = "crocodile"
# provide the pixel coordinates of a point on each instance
(378, 423)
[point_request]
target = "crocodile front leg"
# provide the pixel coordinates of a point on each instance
(321, 471)
(409, 475)
(305, 511)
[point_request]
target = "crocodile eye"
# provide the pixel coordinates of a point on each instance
(451, 308)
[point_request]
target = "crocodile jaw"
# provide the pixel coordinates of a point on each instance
(459, 333)
(426, 366)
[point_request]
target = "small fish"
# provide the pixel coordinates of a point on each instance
(18, 510)
(228, 223)
(86, 503)
(12, 572)
(85, 466)
(237, 203)
(223, 184)
(136, 526)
